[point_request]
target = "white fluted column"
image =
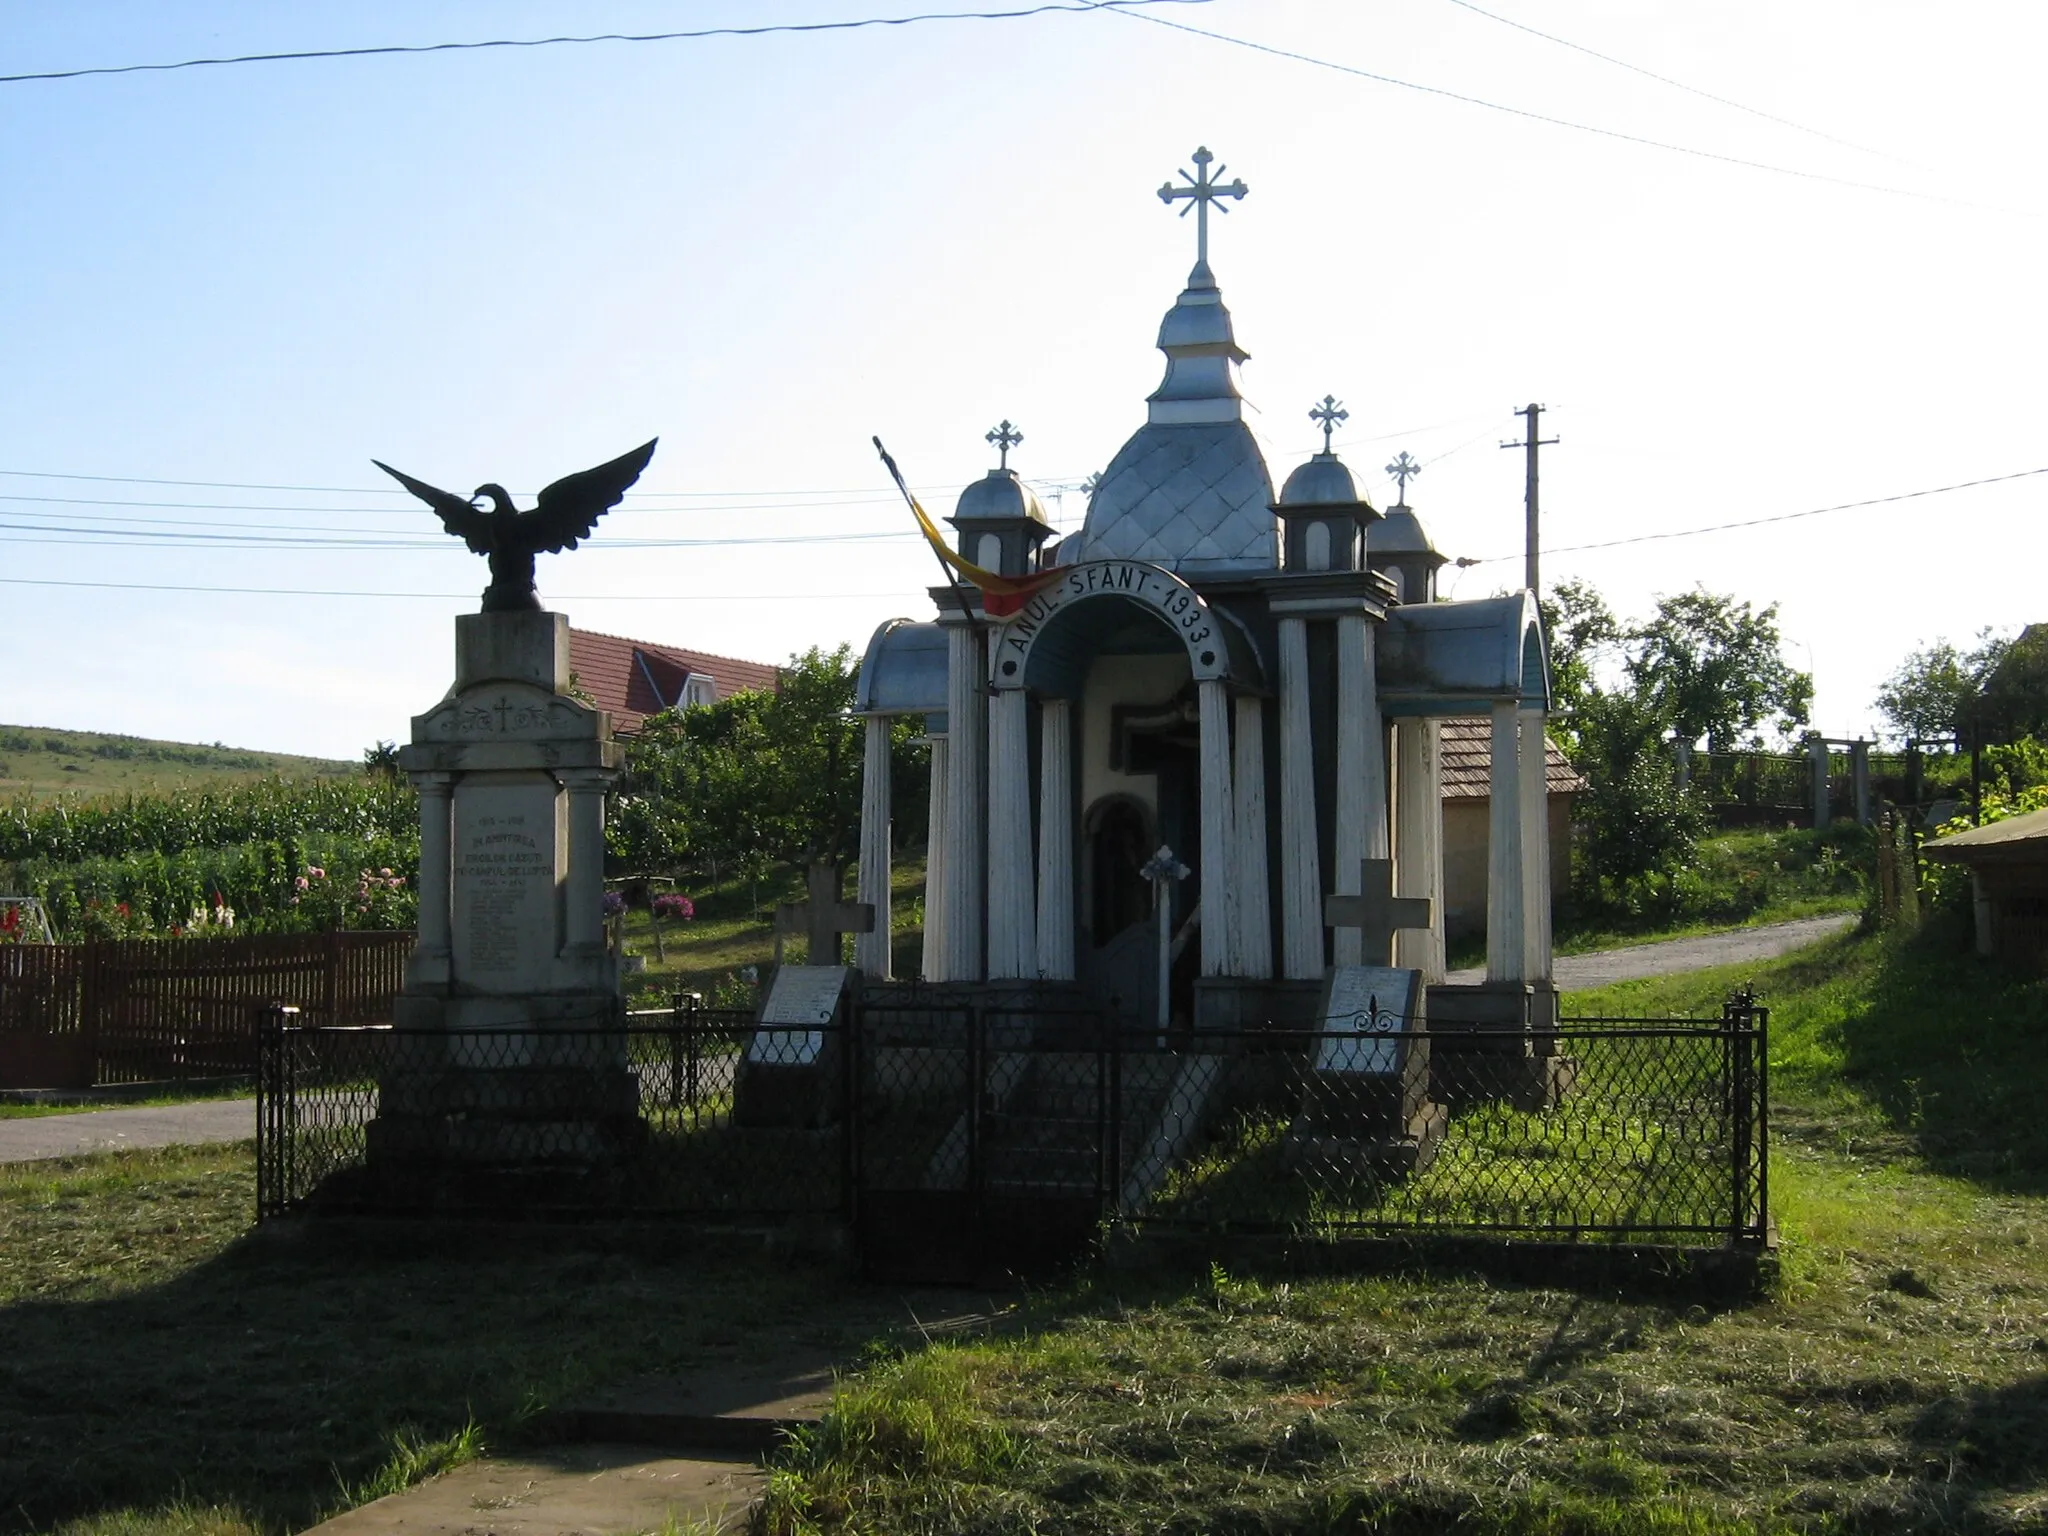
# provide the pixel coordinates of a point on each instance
(966, 730)
(1419, 843)
(1219, 836)
(583, 892)
(1055, 840)
(1535, 849)
(1254, 901)
(1504, 894)
(430, 960)
(1012, 945)
(1361, 827)
(1301, 877)
(871, 949)
(937, 835)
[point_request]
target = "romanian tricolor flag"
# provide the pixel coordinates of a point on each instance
(1001, 596)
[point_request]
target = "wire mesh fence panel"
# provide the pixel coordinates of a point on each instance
(692, 1112)
(1653, 1131)
(954, 1131)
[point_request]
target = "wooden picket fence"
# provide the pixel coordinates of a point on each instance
(148, 1010)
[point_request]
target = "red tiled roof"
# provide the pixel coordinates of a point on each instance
(637, 678)
(1468, 761)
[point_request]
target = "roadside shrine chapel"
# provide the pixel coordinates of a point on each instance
(1217, 700)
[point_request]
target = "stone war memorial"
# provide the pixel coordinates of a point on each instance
(511, 1018)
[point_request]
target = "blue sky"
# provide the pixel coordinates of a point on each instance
(513, 264)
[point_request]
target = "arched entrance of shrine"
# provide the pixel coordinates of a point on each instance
(1123, 659)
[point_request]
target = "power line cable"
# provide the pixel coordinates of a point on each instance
(600, 37)
(470, 596)
(1556, 122)
(1758, 522)
(1608, 58)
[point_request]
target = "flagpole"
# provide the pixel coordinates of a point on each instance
(959, 596)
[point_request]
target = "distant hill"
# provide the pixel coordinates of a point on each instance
(43, 763)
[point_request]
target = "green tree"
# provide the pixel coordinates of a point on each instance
(2015, 696)
(759, 778)
(1937, 691)
(1707, 665)
(1579, 631)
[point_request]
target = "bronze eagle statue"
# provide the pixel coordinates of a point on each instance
(562, 515)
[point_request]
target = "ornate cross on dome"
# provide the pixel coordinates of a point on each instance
(1201, 190)
(1005, 437)
(1329, 413)
(1403, 469)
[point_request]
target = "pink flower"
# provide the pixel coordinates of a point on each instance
(316, 872)
(301, 884)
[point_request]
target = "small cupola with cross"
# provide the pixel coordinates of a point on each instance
(1000, 522)
(1322, 517)
(1398, 547)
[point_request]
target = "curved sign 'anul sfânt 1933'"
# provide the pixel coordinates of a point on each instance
(1176, 604)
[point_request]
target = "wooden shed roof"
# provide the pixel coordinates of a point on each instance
(1468, 760)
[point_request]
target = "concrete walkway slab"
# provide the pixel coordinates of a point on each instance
(577, 1490)
(729, 1408)
(1673, 957)
(39, 1137)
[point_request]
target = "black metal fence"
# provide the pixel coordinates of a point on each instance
(953, 1133)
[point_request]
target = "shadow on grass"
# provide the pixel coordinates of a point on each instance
(1990, 1438)
(1954, 1050)
(273, 1374)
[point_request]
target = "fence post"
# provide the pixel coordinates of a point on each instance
(1760, 1022)
(976, 1081)
(1736, 1013)
(1116, 1116)
(1859, 778)
(849, 1111)
(1817, 753)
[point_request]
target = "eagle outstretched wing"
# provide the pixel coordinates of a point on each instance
(466, 522)
(567, 510)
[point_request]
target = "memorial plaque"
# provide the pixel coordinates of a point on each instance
(802, 994)
(507, 854)
(1369, 1003)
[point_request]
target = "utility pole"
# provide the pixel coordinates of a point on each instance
(1532, 442)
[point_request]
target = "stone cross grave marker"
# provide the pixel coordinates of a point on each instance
(1376, 912)
(822, 918)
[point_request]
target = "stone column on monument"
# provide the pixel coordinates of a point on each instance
(1012, 946)
(938, 837)
(1418, 843)
(966, 730)
(1301, 879)
(1055, 840)
(871, 949)
(583, 889)
(1219, 835)
(1253, 901)
(1361, 821)
(1533, 771)
(430, 957)
(1504, 893)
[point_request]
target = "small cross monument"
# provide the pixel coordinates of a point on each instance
(1376, 912)
(822, 918)
(1201, 190)
(1327, 415)
(1005, 437)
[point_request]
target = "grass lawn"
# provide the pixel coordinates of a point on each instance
(163, 1373)
(1896, 1380)
(43, 763)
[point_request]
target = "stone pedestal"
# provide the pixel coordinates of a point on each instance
(1498, 1041)
(511, 1050)
(1367, 1109)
